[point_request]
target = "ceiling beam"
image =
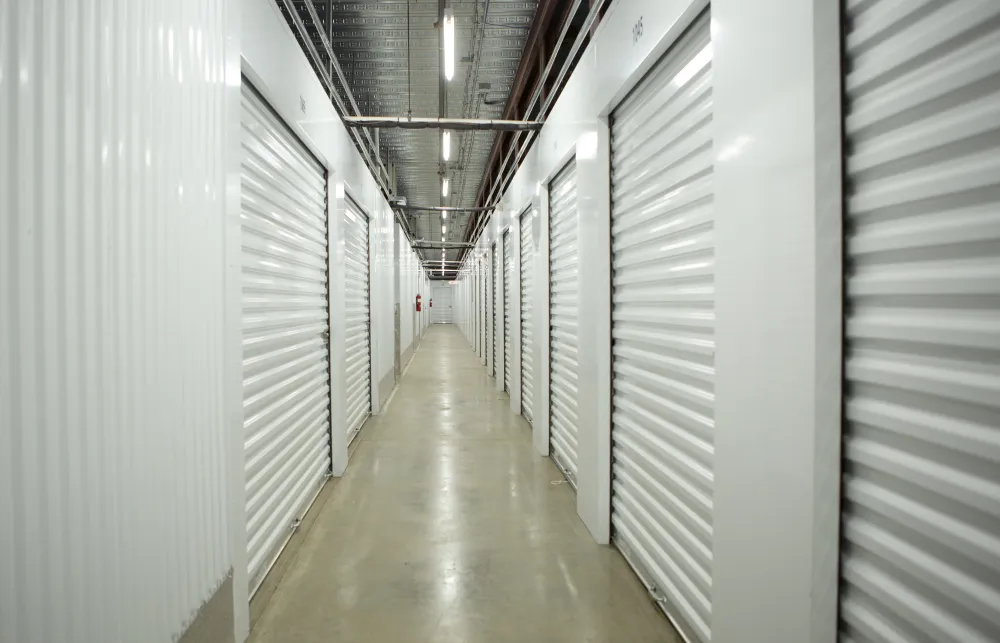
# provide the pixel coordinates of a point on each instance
(443, 208)
(438, 245)
(422, 122)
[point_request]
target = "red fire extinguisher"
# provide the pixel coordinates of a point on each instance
(418, 303)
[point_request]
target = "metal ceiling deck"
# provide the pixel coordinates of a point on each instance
(370, 41)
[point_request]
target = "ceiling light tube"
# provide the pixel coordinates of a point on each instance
(449, 44)
(444, 187)
(446, 145)
(444, 228)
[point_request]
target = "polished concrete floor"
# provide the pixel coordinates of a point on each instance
(449, 527)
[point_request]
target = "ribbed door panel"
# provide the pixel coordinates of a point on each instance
(483, 309)
(443, 305)
(527, 281)
(494, 270)
(920, 559)
(663, 319)
(507, 258)
(563, 315)
(286, 388)
(357, 318)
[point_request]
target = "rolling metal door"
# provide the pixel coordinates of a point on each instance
(477, 296)
(563, 315)
(488, 310)
(286, 391)
(507, 258)
(920, 558)
(357, 320)
(482, 306)
(442, 308)
(494, 270)
(662, 328)
(527, 360)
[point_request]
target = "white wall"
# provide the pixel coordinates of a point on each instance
(778, 177)
(425, 291)
(407, 299)
(418, 289)
(383, 275)
(116, 432)
(778, 191)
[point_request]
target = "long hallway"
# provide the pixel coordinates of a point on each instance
(447, 526)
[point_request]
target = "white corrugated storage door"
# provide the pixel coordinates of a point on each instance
(662, 328)
(563, 314)
(484, 321)
(286, 391)
(357, 331)
(481, 308)
(507, 258)
(494, 321)
(442, 310)
(920, 559)
(527, 359)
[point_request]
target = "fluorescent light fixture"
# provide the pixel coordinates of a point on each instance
(444, 186)
(444, 215)
(444, 228)
(449, 44)
(446, 145)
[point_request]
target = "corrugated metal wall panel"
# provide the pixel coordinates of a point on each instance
(564, 312)
(921, 504)
(113, 521)
(527, 292)
(357, 320)
(507, 258)
(286, 360)
(662, 327)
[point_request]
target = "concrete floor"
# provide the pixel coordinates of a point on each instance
(449, 527)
